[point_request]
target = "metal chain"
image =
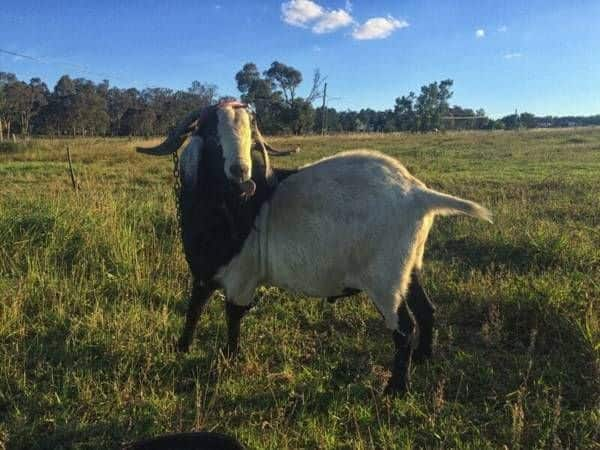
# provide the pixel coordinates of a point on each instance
(177, 190)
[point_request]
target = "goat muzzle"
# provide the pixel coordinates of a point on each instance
(248, 188)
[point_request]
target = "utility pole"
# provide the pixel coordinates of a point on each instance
(324, 111)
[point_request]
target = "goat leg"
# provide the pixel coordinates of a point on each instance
(234, 317)
(201, 292)
(423, 309)
(399, 382)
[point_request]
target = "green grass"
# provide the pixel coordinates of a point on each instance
(93, 287)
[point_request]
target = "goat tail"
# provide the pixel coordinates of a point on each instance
(444, 204)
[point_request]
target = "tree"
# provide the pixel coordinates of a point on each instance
(39, 97)
(6, 80)
(16, 102)
(278, 108)
(285, 78)
(64, 87)
(527, 120)
(300, 116)
(511, 122)
(83, 107)
(461, 118)
(496, 125)
(332, 120)
(432, 104)
(481, 122)
(63, 99)
(405, 114)
(93, 109)
(246, 77)
(259, 93)
(137, 122)
(23, 101)
(387, 121)
(203, 94)
(161, 102)
(348, 120)
(118, 101)
(77, 107)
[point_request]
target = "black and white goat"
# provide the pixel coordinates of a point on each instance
(356, 221)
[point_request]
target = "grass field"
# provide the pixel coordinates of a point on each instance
(93, 288)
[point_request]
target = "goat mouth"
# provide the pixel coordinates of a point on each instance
(247, 188)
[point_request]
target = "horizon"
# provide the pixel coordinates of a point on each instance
(539, 58)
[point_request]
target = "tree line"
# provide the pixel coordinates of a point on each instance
(80, 107)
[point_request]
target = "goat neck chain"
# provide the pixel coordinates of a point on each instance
(177, 190)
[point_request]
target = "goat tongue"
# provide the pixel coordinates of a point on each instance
(248, 188)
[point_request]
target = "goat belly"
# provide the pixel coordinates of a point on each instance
(329, 223)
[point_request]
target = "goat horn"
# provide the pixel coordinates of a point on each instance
(278, 152)
(269, 149)
(177, 136)
(265, 153)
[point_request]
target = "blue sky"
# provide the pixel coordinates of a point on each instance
(537, 56)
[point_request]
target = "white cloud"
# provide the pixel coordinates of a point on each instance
(503, 29)
(300, 12)
(378, 28)
(307, 13)
(480, 33)
(512, 55)
(332, 20)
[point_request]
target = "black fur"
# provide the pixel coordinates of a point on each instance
(201, 292)
(347, 292)
(399, 382)
(215, 222)
(215, 218)
(423, 309)
(234, 315)
(188, 441)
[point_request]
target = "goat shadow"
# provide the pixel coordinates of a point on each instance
(501, 347)
(470, 252)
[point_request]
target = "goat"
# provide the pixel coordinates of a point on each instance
(353, 222)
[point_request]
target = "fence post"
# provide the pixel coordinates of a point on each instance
(71, 171)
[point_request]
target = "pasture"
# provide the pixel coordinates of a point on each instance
(93, 290)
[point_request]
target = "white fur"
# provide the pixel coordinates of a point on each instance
(235, 135)
(355, 220)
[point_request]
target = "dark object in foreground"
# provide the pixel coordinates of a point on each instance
(202, 440)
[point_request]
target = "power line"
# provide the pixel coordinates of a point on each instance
(19, 55)
(79, 67)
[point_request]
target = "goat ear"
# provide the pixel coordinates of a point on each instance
(189, 161)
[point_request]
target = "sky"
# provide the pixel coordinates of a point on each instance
(537, 56)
